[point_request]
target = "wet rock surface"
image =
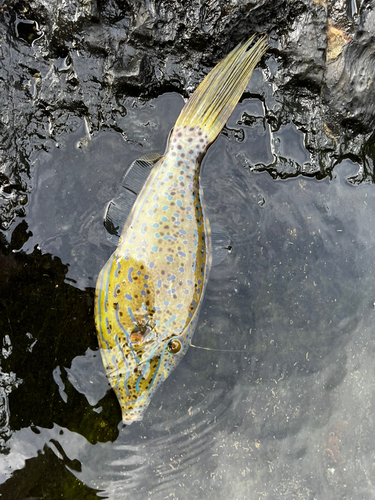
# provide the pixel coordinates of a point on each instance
(62, 62)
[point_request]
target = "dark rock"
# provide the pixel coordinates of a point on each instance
(61, 63)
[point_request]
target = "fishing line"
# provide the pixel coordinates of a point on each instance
(218, 350)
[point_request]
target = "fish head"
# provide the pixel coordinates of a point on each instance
(149, 364)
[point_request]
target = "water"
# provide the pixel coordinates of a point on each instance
(283, 408)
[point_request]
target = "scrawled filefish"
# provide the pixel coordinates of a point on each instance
(149, 292)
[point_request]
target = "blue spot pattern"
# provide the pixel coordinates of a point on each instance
(160, 297)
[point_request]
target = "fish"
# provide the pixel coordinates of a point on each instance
(149, 293)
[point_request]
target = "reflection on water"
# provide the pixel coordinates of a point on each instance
(283, 411)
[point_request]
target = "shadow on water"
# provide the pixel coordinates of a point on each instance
(47, 476)
(275, 412)
(45, 323)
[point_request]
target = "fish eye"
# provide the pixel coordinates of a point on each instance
(174, 346)
(136, 337)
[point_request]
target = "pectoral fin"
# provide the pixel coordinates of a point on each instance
(118, 209)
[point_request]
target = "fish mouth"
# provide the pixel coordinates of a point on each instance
(130, 417)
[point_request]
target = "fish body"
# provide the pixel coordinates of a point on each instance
(151, 288)
(149, 293)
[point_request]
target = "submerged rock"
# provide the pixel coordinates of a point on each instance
(62, 63)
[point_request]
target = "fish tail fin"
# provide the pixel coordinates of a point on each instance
(216, 97)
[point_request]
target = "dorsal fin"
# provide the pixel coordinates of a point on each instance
(138, 172)
(119, 208)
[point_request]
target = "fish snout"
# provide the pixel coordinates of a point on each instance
(128, 417)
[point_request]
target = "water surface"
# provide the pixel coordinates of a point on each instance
(282, 405)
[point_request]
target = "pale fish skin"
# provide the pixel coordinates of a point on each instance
(153, 283)
(149, 293)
